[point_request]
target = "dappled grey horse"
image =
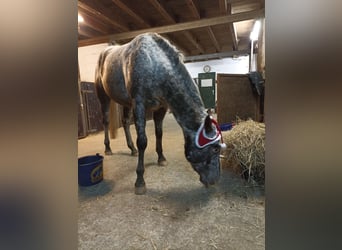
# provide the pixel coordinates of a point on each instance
(148, 74)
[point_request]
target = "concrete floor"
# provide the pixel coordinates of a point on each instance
(177, 212)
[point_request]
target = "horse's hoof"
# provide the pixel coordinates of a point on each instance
(162, 163)
(140, 190)
(108, 152)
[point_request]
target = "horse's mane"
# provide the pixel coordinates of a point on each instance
(165, 45)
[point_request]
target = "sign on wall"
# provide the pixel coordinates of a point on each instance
(206, 84)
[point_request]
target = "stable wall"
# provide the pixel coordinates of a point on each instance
(238, 65)
(87, 60)
(88, 55)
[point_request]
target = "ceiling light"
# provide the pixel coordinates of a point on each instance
(255, 33)
(80, 18)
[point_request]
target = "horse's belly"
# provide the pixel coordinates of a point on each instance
(118, 92)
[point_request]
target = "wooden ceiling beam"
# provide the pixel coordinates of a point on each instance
(216, 55)
(193, 40)
(193, 6)
(233, 30)
(101, 16)
(173, 41)
(162, 11)
(213, 39)
(226, 9)
(84, 32)
(178, 27)
(242, 1)
(171, 20)
(92, 22)
(131, 13)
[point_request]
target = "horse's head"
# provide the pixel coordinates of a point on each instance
(204, 152)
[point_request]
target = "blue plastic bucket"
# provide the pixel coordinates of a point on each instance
(90, 170)
(226, 126)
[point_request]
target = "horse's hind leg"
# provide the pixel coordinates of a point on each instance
(158, 117)
(105, 102)
(126, 124)
(140, 123)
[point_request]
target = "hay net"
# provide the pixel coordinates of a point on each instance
(245, 152)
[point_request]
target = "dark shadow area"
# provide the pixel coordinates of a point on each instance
(229, 185)
(126, 153)
(232, 184)
(100, 189)
(179, 203)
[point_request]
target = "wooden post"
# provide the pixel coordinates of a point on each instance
(261, 66)
(261, 49)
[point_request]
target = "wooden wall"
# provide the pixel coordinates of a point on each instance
(236, 98)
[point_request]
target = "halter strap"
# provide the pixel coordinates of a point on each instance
(202, 139)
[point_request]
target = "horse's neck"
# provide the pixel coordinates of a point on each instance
(187, 107)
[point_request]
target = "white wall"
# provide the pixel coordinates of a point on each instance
(239, 65)
(87, 59)
(88, 56)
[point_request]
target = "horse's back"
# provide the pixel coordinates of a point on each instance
(139, 67)
(154, 61)
(109, 75)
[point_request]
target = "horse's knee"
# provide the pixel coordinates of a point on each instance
(142, 142)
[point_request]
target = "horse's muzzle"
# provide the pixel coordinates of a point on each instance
(206, 182)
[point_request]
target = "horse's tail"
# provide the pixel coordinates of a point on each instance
(165, 45)
(114, 119)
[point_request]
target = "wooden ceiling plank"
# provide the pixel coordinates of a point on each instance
(223, 6)
(101, 16)
(242, 1)
(131, 13)
(163, 12)
(84, 32)
(205, 22)
(195, 11)
(93, 23)
(233, 30)
(170, 19)
(213, 39)
(193, 40)
(226, 9)
(173, 41)
(193, 8)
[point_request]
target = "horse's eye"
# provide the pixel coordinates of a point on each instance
(216, 150)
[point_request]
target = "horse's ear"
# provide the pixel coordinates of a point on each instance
(207, 125)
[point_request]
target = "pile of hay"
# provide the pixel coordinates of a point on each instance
(245, 152)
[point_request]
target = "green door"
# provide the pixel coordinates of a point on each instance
(206, 85)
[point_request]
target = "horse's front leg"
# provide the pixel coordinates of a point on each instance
(140, 122)
(158, 117)
(126, 124)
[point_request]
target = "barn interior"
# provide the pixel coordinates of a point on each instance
(223, 44)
